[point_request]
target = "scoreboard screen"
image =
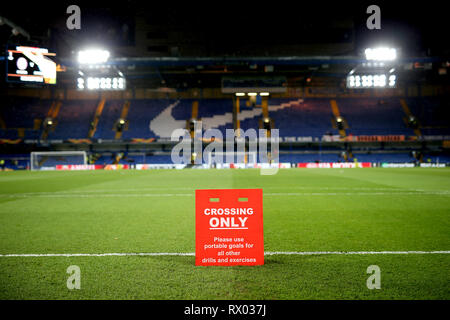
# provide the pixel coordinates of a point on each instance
(31, 65)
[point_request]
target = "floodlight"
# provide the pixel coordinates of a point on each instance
(80, 83)
(264, 94)
(340, 123)
(371, 80)
(93, 83)
(93, 56)
(381, 54)
(240, 94)
(120, 124)
(103, 83)
(252, 94)
(121, 82)
(392, 80)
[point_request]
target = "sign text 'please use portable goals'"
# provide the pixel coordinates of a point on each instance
(229, 227)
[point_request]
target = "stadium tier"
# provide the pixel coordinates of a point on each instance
(142, 112)
(432, 114)
(108, 119)
(22, 117)
(8, 134)
(314, 118)
(21, 112)
(374, 116)
(308, 118)
(157, 118)
(217, 114)
(73, 120)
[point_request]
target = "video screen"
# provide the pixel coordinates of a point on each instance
(30, 64)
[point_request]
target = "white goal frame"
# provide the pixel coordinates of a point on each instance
(33, 156)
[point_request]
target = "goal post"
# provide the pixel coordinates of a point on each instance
(48, 160)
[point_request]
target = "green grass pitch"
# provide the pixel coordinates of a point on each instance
(305, 210)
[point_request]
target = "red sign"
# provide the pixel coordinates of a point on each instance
(229, 227)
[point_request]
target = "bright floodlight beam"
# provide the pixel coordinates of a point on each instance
(93, 56)
(381, 54)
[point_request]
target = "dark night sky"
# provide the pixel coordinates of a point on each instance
(420, 28)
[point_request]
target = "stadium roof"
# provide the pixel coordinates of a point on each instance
(195, 44)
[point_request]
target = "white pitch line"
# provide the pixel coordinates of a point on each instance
(353, 193)
(124, 254)
(106, 195)
(311, 253)
(268, 253)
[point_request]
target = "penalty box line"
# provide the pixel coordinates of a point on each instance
(268, 253)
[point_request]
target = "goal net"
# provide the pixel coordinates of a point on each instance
(49, 160)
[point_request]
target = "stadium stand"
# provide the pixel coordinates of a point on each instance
(157, 118)
(8, 134)
(110, 115)
(311, 117)
(309, 157)
(73, 120)
(432, 113)
(142, 113)
(442, 158)
(216, 113)
(25, 114)
(384, 157)
(53, 161)
(20, 112)
(374, 116)
(398, 157)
